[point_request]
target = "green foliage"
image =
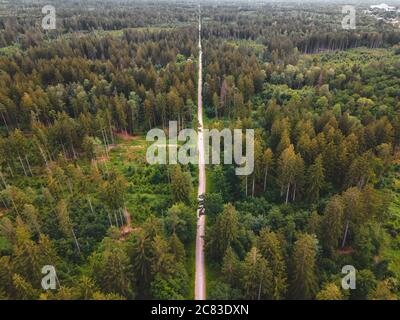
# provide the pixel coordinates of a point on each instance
(76, 190)
(224, 232)
(181, 185)
(304, 273)
(111, 269)
(181, 220)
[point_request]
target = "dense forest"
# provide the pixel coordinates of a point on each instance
(77, 193)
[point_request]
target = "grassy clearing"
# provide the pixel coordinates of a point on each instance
(144, 196)
(129, 159)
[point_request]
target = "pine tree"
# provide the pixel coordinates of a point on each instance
(89, 147)
(113, 191)
(111, 269)
(353, 211)
(316, 178)
(133, 104)
(384, 290)
(6, 275)
(25, 254)
(298, 177)
(65, 223)
(304, 276)
(288, 169)
(30, 215)
(177, 248)
(256, 276)
(86, 287)
(330, 292)
(332, 223)
(181, 220)
(268, 160)
(140, 251)
(230, 265)
(224, 232)
(23, 289)
(181, 185)
(162, 260)
(258, 164)
(284, 142)
(270, 248)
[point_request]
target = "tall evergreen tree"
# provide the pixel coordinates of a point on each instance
(256, 276)
(304, 269)
(270, 248)
(316, 178)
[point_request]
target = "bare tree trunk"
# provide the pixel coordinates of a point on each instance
(3, 180)
(133, 120)
(4, 119)
(121, 217)
(73, 150)
(90, 204)
(168, 174)
(29, 165)
(253, 187)
(76, 241)
(15, 207)
(109, 218)
(70, 186)
(246, 185)
(111, 132)
(294, 192)
(4, 204)
(12, 173)
(64, 152)
(287, 193)
(22, 164)
(116, 220)
(164, 120)
(44, 157)
(265, 178)
(345, 234)
(105, 142)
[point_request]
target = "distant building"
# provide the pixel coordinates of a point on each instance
(382, 6)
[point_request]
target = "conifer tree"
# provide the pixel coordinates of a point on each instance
(256, 276)
(316, 178)
(304, 273)
(270, 248)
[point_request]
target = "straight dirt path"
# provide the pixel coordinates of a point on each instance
(200, 280)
